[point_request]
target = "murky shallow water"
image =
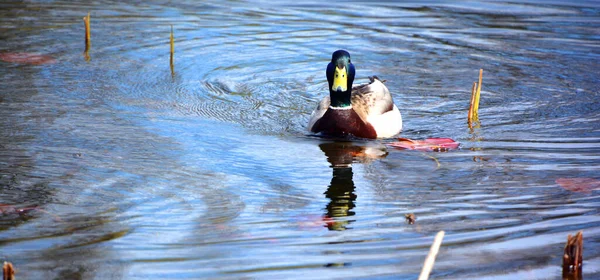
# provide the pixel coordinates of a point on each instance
(208, 172)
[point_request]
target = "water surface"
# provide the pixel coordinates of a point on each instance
(206, 169)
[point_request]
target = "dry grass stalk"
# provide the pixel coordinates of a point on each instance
(573, 256)
(430, 260)
(8, 271)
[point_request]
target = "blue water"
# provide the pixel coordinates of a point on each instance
(206, 170)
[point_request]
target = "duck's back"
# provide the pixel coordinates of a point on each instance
(374, 104)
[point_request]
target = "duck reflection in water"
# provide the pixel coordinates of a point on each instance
(341, 155)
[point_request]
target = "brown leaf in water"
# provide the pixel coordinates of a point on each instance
(27, 58)
(585, 185)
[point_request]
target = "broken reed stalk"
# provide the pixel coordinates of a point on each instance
(172, 42)
(573, 256)
(471, 106)
(8, 271)
(478, 94)
(475, 95)
(86, 22)
(88, 42)
(430, 260)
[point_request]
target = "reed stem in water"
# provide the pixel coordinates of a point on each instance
(473, 116)
(88, 40)
(172, 42)
(430, 260)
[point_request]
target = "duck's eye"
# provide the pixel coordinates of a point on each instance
(337, 76)
(343, 75)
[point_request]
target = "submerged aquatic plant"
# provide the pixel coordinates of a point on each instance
(584, 185)
(27, 58)
(427, 145)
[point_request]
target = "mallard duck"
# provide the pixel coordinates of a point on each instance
(365, 111)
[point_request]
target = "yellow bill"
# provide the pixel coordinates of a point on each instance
(340, 80)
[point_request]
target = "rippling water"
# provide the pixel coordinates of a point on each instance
(206, 170)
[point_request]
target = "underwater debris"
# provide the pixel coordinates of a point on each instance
(27, 58)
(427, 145)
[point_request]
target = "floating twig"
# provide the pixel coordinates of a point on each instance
(473, 116)
(430, 260)
(8, 271)
(573, 256)
(88, 41)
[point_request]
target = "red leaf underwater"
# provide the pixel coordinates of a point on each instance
(428, 145)
(7, 209)
(27, 58)
(585, 185)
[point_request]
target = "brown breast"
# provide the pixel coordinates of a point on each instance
(342, 122)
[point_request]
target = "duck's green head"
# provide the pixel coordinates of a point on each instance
(340, 75)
